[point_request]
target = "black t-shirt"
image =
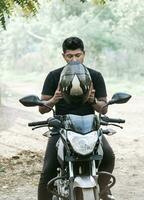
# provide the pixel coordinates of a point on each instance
(62, 108)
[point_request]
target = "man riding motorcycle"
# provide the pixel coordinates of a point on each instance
(73, 89)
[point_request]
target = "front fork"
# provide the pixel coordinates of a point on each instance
(81, 181)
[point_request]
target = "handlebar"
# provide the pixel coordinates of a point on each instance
(113, 120)
(39, 123)
(53, 122)
(50, 122)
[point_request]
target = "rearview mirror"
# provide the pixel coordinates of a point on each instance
(31, 100)
(119, 98)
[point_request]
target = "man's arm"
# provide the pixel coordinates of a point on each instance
(97, 104)
(50, 101)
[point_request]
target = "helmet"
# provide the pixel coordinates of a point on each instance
(75, 83)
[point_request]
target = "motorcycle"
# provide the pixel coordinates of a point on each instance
(79, 150)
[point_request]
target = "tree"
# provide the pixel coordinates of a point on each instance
(28, 7)
(7, 8)
(113, 35)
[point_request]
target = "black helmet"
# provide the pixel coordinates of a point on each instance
(75, 83)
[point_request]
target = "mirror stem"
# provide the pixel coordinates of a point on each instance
(49, 108)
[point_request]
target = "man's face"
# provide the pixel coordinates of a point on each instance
(74, 55)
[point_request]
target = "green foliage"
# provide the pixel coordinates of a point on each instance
(99, 2)
(28, 7)
(113, 35)
(7, 8)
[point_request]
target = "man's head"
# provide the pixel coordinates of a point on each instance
(73, 49)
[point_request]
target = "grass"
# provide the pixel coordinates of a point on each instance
(113, 85)
(19, 77)
(124, 85)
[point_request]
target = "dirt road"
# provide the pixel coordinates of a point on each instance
(21, 151)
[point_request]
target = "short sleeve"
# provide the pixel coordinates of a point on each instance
(49, 86)
(99, 86)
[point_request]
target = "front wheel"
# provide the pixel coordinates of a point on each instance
(86, 193)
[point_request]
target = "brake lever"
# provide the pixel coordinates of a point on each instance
(116, 125)
(39, 127)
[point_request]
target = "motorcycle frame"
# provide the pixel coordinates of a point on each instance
(89, 181)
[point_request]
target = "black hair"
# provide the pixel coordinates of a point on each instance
(72, 43)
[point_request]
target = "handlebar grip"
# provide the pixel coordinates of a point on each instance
(121, 121)
(38, 123)
(113, 120)
(116, 120)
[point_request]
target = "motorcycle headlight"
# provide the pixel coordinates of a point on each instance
(82, 144)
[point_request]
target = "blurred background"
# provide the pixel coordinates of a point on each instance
(30, 47)
(113, 34)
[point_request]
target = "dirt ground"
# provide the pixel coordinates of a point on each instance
(22, 150)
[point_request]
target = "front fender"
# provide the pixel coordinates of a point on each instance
(84, 182)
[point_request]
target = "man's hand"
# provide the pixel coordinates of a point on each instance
(57, 96)
(97, 104)
(50, 101)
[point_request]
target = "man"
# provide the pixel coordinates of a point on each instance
(73, 50)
